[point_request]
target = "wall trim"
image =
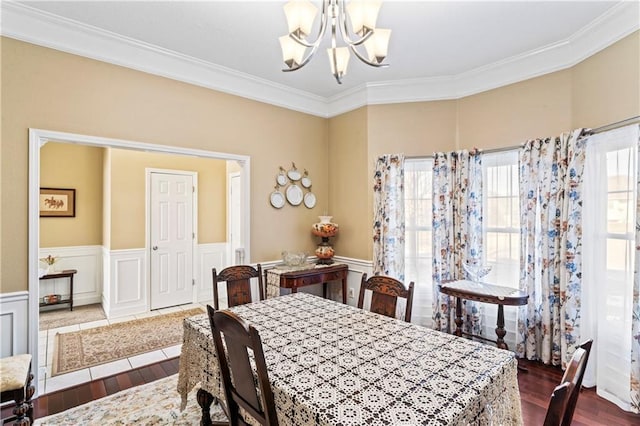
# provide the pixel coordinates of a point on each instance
(28, 24)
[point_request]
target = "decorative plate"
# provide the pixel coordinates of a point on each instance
(277, 199)
(306, 182)
(294, 194)
(281, 179)
(294, 175)
(309, 200)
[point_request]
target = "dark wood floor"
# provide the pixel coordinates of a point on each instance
(535, 387)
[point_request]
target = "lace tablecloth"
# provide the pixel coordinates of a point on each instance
(333, 364)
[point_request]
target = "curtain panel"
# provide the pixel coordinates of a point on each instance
(457, 232)
(551, 173)
(388, 216)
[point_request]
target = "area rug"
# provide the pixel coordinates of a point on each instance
(87, 348)
(155, 403)
(65, 317)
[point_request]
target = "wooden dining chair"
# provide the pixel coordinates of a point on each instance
(238, 279)
(385, 292)
(235, 368)
(565, 396)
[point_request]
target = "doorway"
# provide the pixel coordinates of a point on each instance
(38, 138)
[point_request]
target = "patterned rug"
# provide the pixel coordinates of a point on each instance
(155, 403)
(65, 317)
(87, 348)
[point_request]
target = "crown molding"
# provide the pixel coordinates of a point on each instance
(612, 26)
(34, 26)
(45, 29)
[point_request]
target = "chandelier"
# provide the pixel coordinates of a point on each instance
(362, 15)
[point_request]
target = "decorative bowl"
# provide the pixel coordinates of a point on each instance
(475, 272)
(294, 258)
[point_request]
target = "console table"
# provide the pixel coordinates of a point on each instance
(487, 293)
(69, 273)
(294, 278)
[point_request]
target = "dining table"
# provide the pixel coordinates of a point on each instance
(334, 364)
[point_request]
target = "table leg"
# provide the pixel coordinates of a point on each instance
(71, 293)
(458, 319)
(205, 399)
(294, 289)
(344, 290)
(500, 331)
(324, 290)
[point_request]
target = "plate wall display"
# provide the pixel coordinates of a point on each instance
(294, 194)
(277, 199)
(309, 200)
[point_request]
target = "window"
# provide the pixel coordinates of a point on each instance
(418, 186)
(608, 252)
(501, 214)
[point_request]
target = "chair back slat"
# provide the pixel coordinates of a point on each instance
(385, 293)
(238, 280)
(565, 396)
(240, 387)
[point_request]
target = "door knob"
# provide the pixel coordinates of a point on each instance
(155, 247)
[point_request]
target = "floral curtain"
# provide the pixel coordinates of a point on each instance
(388, 216)
(551, 173)
(457, 232)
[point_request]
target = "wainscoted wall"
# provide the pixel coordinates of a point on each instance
(125, 282)
(13, 323)
(126, 278)
(213, 255)
(87, 283)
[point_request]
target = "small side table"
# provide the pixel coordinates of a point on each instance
(69, 273)
(320, 274)
(486, 293)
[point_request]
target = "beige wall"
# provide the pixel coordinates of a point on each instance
(89, 97)
(606, 86)
(79, 167)
(128, 191)
(349, 183)
(510, 115)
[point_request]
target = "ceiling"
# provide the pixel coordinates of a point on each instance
(445, 49)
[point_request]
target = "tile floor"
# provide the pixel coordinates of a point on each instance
(48, 384)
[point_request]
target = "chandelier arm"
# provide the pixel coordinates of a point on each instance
(344, 30)
(321, 31)
(314, 45)
(365, 60)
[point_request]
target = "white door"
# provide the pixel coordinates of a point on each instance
(235, 217)
(171, 212)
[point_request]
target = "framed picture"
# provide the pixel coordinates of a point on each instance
(57, 202)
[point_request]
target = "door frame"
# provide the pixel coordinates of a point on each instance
(194, 218)
(231, 256)
(38, 138)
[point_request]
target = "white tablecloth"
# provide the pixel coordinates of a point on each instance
(333, 364)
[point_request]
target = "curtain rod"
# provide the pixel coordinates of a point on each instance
(617, 124)
(605, 128)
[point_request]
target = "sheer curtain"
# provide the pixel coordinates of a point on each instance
(457, 232)
(610, 311)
